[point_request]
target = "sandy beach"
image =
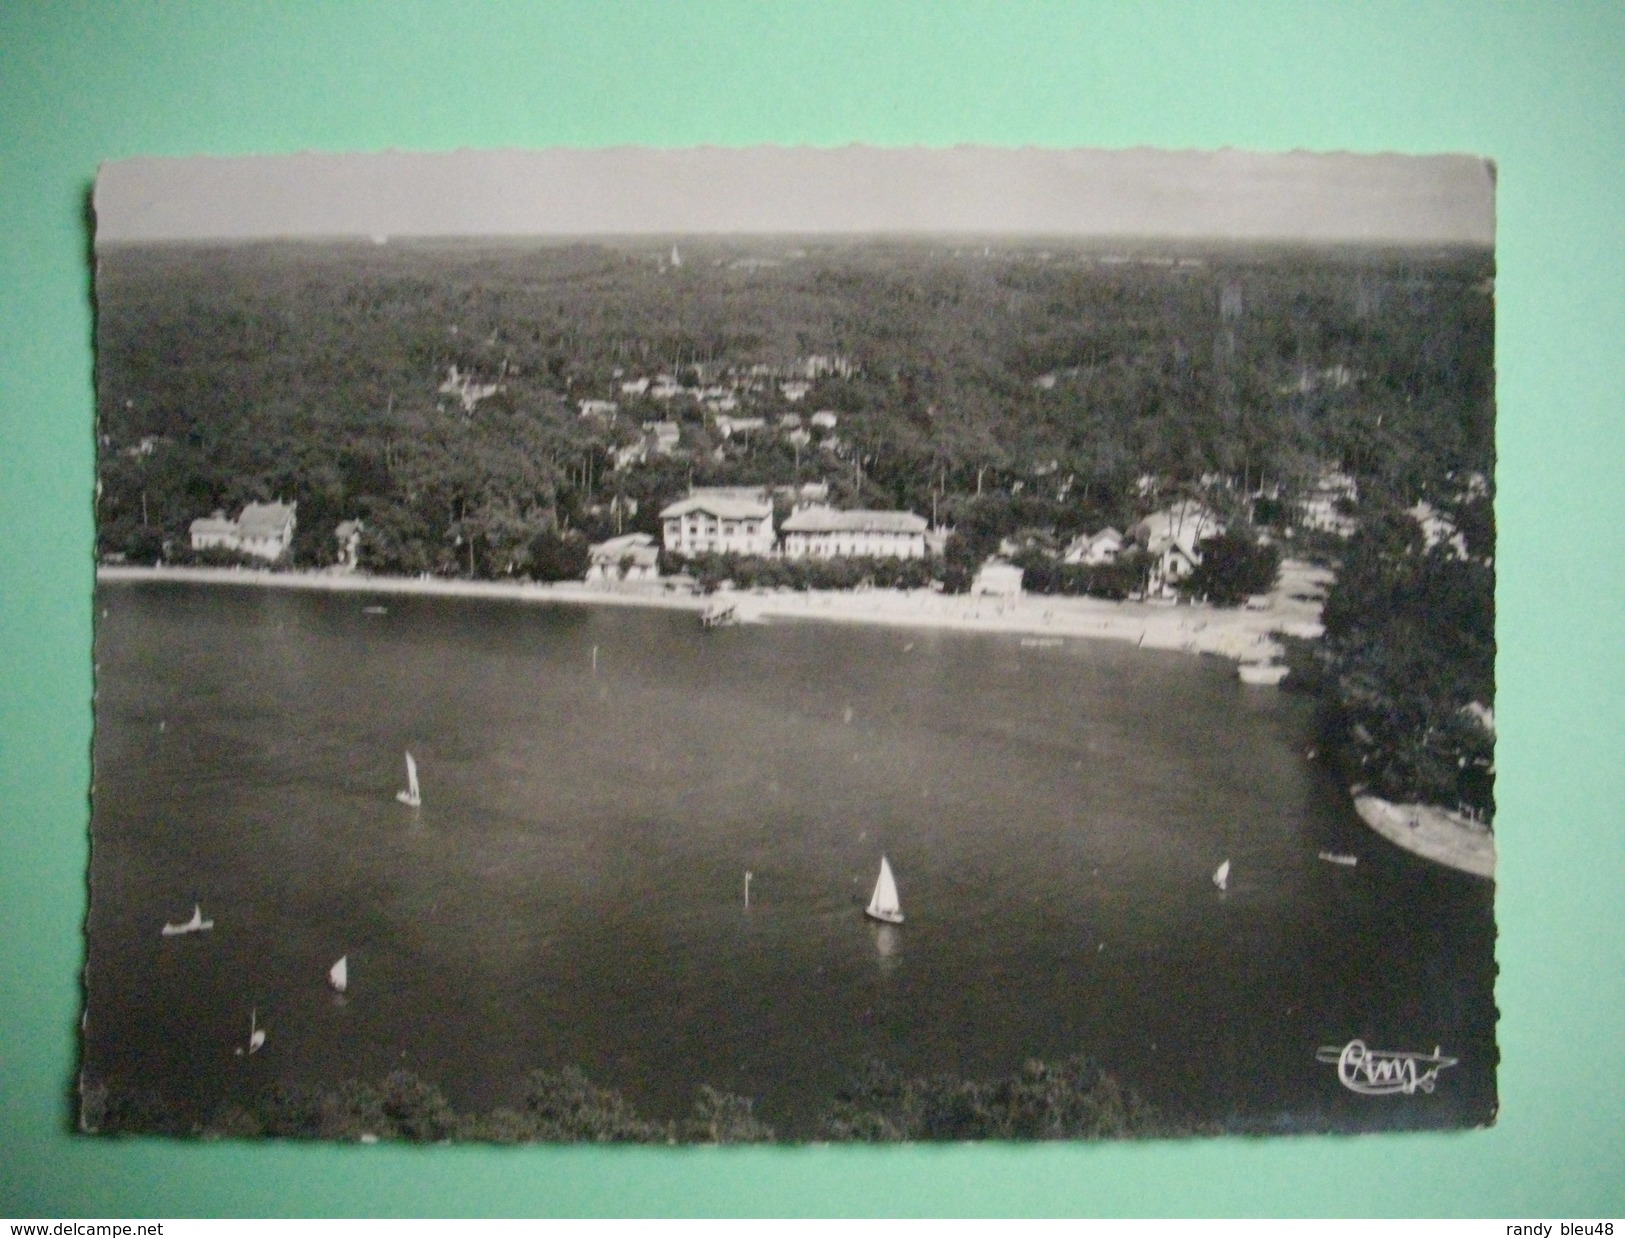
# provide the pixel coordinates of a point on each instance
(1243, 634)
(1433, 833)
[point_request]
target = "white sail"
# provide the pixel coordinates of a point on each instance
(1221, 875)
(197, 924)
(339, 974)
(256, 1033)
(885, 905)
(410, 796)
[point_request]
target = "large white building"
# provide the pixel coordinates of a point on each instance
(724, 523)
(264, 530)
(824, 533)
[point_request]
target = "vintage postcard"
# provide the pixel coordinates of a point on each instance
(793, 645)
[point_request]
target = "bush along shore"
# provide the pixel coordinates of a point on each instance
(1070, 1099)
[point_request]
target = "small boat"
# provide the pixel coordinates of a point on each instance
(338, 975)
(197, 924)
(1334, 857)
(375, 610)
(1221, 876)
(410, 797)
(883, 906)
(256, 1034)
(1267, 674)
(721, 615)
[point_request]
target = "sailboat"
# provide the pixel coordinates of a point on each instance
(338, 975)
(256, 1033)
(197, 924)
(1221, 876)
(410, 796)
(884, 905)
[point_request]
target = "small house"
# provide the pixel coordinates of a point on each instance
(1095, 549)
(1326, 504)
(633, 557)
(348, 536)
(214, 532)
(996, 578)
(265, 530)
(730, 426)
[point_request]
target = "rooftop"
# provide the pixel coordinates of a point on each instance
(729, 507)
(265, 519)
(829, 520)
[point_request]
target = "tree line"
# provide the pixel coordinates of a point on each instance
(1071, 1099)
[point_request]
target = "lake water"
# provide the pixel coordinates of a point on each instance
(571, 892)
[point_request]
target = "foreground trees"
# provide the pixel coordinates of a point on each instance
(1070, 1099)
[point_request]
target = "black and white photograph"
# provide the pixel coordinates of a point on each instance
(793, 645)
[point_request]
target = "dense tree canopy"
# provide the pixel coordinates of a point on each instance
(1057, 375)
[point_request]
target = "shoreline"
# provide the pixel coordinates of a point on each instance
(1240, 634)
(1431, 832)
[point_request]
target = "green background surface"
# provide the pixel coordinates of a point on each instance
(1536, 87)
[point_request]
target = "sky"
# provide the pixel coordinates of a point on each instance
(1441, 199)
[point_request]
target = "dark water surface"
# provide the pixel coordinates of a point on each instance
(571, 891)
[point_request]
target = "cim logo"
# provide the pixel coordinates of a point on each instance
(1384, 1072)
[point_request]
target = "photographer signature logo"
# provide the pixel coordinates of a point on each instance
(1384, 1072)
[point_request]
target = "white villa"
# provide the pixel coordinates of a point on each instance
(1102, 547)
(632, 557)
(212, 532)
(722, 523)
(818, 532)
(660, 438)
(264, 530)
(1174, 535)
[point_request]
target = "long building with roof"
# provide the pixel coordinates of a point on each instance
(824, 533)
